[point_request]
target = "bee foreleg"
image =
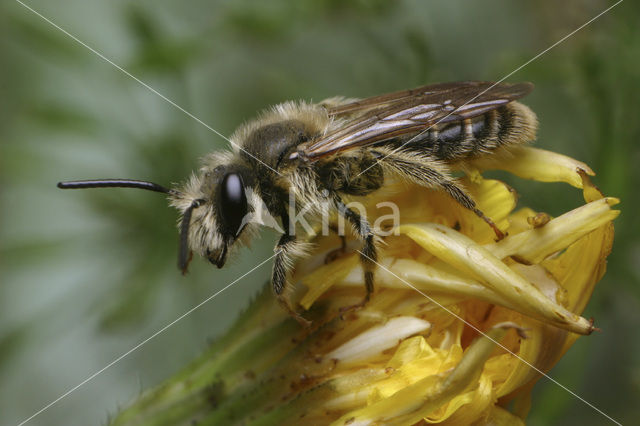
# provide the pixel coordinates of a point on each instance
(427, 172)
(369, 254)
(285, 250)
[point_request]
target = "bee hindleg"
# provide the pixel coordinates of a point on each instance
(368, 254)
(466, 201)
(281, 266)
(421, 173)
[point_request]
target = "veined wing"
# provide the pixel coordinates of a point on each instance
(410, 112)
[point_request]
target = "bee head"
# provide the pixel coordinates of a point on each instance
(215, 208)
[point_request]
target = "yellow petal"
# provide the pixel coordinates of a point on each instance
(436, 279)
(589, 190)
(498, 416)
(410, 350)
(582, 265)
(541, 349)
(378, 339)
(536, 164)
(495, 199)
(418, 400)
(533, 245)
(465, 408)
(464, 254)
(323, 278)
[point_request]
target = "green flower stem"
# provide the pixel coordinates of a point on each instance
(262, 370)
(261, 336)
(300, 369)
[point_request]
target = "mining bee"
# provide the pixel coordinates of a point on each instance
(338, 147)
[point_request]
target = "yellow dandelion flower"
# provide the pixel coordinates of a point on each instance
(459, 326)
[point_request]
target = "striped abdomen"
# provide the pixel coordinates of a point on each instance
(510, 124)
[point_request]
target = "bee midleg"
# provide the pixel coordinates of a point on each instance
(369, 254)
(415, 167)
(286, 248)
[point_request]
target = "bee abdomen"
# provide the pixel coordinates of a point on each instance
(510, 124)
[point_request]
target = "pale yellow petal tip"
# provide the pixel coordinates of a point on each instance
(590, 191)
(584, 168)
(612, 201)
(378, 339)
(535, 164)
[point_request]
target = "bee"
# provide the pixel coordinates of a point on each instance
(307, 153)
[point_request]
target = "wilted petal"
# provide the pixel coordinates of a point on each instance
(464, 254)
(534, 245)
(536, 164)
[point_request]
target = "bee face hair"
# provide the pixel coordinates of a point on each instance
(215, 208)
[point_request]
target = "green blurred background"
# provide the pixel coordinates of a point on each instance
(85, 276)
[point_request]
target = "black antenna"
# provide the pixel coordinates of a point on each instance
(115, 183)
(184, 256)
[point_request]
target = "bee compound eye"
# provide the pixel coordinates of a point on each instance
(233, 203)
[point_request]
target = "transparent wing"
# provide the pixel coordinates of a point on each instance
(407, 112)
